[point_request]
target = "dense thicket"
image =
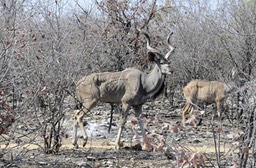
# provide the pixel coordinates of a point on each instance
(46, 46)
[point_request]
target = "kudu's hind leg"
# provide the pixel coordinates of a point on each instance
(74, 142)
(79, 122)
(78, 117)
(111, 116)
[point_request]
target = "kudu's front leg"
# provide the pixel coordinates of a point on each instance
(138, 115)
(187, 107)
(125, 109)
(219, 108)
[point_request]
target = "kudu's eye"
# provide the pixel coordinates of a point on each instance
(163, 62)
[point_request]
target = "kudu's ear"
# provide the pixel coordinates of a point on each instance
(234, 74)
(151, 56)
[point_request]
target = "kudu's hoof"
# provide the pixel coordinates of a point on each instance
(119, 145)
(85, 142)
(75, 146)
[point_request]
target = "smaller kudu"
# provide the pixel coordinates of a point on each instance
(130, 87)
(208, 92)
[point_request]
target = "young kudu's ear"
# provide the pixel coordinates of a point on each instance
(234, 72)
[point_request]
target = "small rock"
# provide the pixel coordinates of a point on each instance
(230, 136)
(98, 113)
(196, 141)
(85, 165)
(42, 163)
(109, 162)
(178, 139)
(91, 158)
(146, 107)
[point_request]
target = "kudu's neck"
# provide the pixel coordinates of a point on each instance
(153, 81)
(230, 87)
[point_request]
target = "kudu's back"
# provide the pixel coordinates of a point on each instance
(107, 86)
(204, 91)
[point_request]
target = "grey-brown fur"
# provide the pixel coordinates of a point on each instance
(130, 87)
(207, 92)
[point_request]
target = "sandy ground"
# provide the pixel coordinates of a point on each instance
(100, 150)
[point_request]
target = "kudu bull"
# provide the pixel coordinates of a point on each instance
(130, 87)
(208, 92)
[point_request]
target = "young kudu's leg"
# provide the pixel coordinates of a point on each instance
(124, 114)
(219, 108)
(187, 107)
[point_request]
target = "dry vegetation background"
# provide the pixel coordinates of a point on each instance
(46, 46)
